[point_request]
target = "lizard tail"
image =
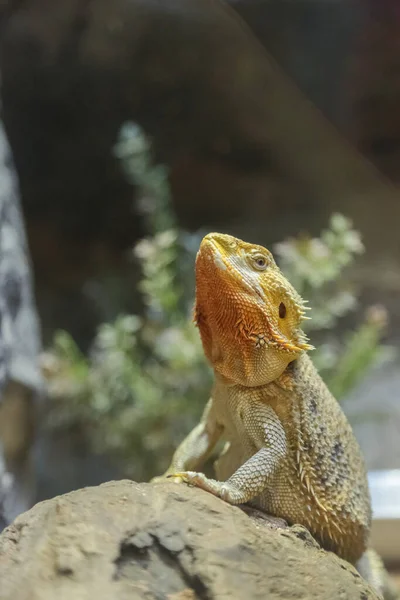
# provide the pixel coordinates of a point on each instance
(371, 568)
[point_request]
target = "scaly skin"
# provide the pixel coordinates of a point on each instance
(290, 450)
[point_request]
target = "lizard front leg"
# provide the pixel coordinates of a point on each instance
(198, 445)
(246, 483)
(264, 430)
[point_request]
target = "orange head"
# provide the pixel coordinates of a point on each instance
(248, 314)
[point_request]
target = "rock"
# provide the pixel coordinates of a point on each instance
(126, 540)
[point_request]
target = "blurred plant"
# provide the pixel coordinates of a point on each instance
(146, 380)
(315, 268)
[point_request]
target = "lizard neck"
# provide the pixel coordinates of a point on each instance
(300, 370)
(297, 389)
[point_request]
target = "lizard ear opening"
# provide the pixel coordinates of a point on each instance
(282, 310)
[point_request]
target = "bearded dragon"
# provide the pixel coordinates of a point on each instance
(290, 450)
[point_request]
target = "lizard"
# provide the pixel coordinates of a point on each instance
(289, 449)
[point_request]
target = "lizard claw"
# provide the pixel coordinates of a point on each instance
(201, 481)
(182, 476)
(163, 478)
(175, 479)
(221, 489)
(192, 478)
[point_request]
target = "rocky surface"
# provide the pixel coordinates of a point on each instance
(163, 541)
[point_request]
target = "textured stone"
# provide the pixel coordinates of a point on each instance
(127, 540)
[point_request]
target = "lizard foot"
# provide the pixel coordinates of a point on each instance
(222, 489)
(163, 478)
(195, 479)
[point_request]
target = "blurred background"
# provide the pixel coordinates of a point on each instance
(134, 129)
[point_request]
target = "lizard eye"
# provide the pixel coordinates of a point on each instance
(260, 262)
(282, 310)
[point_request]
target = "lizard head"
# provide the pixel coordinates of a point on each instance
(248, 314)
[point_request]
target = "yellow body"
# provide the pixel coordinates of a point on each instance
(289, 448)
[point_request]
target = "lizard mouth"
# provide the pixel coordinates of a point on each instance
(220, 252)
(217, 243)
(218, 247)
